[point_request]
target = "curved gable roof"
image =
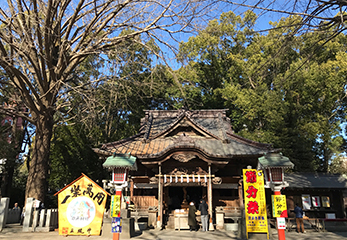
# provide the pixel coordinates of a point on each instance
(155, 138)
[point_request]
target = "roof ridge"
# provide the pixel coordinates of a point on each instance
(251, 142)
(187, 114)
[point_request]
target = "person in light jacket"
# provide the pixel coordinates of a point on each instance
(203, 208)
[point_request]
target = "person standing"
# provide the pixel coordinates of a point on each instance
(299, 214)
(16, 206)
(203, 208)
(192, 217)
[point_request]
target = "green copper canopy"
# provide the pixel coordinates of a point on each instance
(121, 161)
(275, 160)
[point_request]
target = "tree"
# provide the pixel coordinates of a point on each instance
(315, 15)
(274, 94)
(71, 154)
(111, 109)
(13, 133)
(42, 43)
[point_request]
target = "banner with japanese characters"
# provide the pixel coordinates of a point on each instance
(115, 205)
(81, 206)
(279, 206)
(255, 205)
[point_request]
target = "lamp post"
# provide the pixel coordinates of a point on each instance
(119, 164)
(274, 165)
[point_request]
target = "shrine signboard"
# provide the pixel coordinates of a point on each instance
(115, 205)
(255, 205)
(279, 206)
(81, 206)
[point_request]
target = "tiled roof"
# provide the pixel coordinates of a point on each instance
(209, 131)
(315, 180)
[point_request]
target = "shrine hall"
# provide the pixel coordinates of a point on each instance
(184, 156)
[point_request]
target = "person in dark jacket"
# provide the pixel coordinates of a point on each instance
(299, 214)
(203, 208)
(192, 217)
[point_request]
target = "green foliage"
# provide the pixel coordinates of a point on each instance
(281, 88)
(71, 155)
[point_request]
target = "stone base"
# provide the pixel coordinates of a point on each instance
(128, 228)
(231, 227)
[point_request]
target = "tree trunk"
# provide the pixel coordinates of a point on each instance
(36, 186)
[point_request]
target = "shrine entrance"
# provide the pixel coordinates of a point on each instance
(180, 197)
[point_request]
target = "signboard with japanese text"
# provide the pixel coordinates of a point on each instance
(315, 201)
(281, 223)
(255, 205)
(325, 201)
(81, 206)
(116, 226)
(115, 205)
(306, 201)
(279, 206)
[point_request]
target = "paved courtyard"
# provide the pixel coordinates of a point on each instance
(15, 233)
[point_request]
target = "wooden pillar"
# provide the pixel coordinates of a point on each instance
(241, 193)
(160, 200)
(131, 189)
(211, 228)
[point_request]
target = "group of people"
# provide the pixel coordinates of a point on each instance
(203, 208)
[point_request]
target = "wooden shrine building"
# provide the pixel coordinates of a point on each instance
(187, 155)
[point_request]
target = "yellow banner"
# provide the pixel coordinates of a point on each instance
(255, 205)
(115, 205)
(81, 207)
(279, 206)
